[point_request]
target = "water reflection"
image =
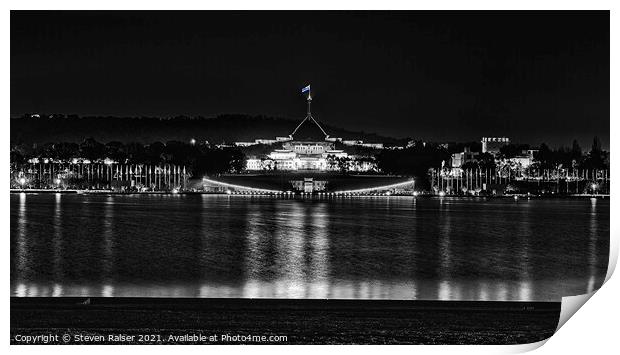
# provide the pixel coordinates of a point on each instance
(502, 292)
(445, 233)
(221, 246)
(254, 235)
(523, 252)
(107, 291)
(483, 292)
(57, 290)
(22, 247)
(319, 258)
(108, 243)
(592, 241)
(290, 239)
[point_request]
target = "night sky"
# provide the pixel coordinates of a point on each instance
(437, 76)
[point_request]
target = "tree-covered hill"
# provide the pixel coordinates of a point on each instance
(41, 129)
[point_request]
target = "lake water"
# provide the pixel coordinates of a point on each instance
(361, 248)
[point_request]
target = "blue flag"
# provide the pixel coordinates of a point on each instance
(307, 88)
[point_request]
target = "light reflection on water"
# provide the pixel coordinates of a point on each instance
(592, 252)
(108, 239)
(360, 248)
(22, 248)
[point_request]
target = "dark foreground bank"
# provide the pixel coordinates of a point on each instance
(270, 321)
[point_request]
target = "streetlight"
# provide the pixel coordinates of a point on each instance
(192, 141)
(22, 182)
(594, 187)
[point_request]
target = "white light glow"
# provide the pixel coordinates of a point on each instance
(239, 186)
(378, 188)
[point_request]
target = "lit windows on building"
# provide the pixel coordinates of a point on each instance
(309, 147)
(492, 145)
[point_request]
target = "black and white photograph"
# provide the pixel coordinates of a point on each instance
(305, 177)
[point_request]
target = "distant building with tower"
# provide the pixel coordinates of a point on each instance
(492, 145)
(309, 147)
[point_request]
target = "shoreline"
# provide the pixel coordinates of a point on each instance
(326, 195)
(310, 321)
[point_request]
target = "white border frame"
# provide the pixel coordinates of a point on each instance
(593, 329)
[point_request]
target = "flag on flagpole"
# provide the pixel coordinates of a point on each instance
(307, 88)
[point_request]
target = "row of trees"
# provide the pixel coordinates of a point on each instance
(206, 159)
(201, 158)
(573, 157)
(547, 158)
(418, 158)
(415, 160)
(544, 156)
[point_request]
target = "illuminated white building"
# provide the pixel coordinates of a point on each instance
(492, 145)
(308, 147)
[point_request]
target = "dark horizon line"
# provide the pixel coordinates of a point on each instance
(294, 119)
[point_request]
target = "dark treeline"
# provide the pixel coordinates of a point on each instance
(414, 160)
(573, 157)
(141, 141)
(39, 129)
(199, 158)
(562, 157)
(418, 158)
(204, 158)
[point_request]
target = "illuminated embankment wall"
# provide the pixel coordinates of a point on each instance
(282, 183)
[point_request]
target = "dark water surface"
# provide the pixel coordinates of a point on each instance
(362, 248)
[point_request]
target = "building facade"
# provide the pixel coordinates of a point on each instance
(492, 145)
(466, 156)
(309, 148)
(309, 185)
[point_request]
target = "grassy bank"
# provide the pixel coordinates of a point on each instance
(300, 321)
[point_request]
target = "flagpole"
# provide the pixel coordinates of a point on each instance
(309, 101)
